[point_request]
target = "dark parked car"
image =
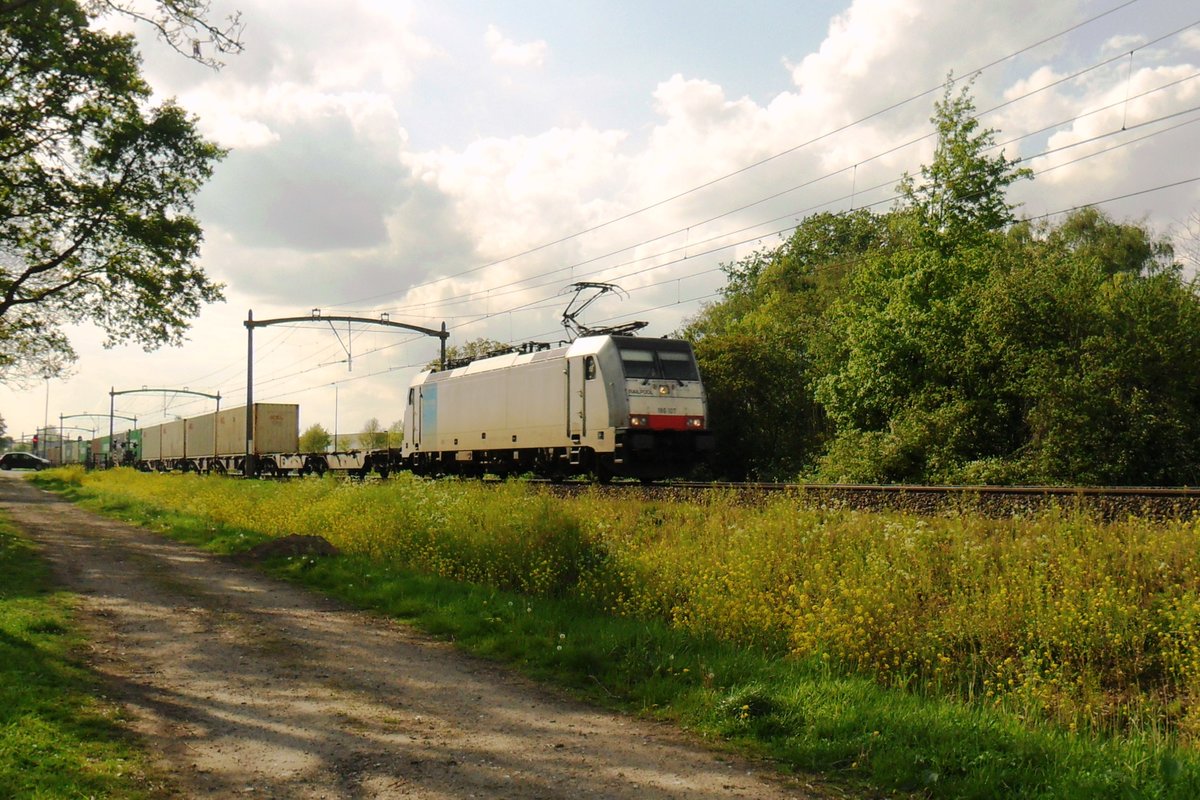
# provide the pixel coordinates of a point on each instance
(23, 461)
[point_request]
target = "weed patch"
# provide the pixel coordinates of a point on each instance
(1052, 656)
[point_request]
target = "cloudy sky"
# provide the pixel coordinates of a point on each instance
(466, 161)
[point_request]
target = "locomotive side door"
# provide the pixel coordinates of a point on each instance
(412, 420)
(576, 399)
(595, 401)
(585, 397)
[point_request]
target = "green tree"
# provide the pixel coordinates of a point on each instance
(1110, 247)
(183, 24)
(395, 433)
(96, 193)
(1099, 334)
(315, 439)
(961, 194)
(475, 348)
(947, 342)
(373, 435)
(909, 389)
(756, 351)
(903, 380)
(1055, 354)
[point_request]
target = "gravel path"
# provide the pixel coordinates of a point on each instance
(247, 686)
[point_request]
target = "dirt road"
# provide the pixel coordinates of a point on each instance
(246, 686)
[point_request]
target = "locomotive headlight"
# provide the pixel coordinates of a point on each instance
(639, 421)
(695, 422)
(664, 390)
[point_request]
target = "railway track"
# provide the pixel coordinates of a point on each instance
(1113, 502)
(1104, 502)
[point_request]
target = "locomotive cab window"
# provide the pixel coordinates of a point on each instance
(638, 364)
(658, 358)
(410, 395)
(589, 368)
(677, 366)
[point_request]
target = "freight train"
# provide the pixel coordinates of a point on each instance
(605, 405)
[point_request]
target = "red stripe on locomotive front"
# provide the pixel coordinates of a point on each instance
(666, 422)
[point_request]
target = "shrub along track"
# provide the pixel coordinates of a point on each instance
(244, 685)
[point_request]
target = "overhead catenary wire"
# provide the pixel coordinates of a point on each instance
(694, 254)
(542, 303)
(492, 291)
(1075, 75)
(841, 263)
(495, 292)
(547, 302)
(742, 170)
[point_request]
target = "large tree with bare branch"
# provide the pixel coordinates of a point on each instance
(96, 192)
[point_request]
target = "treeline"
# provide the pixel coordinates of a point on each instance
(944, 341)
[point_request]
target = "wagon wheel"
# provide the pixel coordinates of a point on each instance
(218, 468)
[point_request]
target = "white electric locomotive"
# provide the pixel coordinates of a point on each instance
(610, 405)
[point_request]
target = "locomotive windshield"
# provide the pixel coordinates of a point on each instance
(657, 358)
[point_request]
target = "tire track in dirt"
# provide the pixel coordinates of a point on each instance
(244, 685)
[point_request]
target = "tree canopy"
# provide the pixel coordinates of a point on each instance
(470, 350)
(961, 194)
(315, 439)
(373, 435)
(96, 193)
(946, 341)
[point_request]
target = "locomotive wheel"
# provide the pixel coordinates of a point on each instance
(604, 470)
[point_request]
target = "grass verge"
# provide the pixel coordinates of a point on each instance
(58, 737)
(801, 713)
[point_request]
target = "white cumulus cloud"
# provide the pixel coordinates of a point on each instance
(506, 52)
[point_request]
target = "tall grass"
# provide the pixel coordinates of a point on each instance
(1094, 627)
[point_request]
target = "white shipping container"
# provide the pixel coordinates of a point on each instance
(152, 442)
(277, 429)
(201, 436)
(231, 431)
(174, 439)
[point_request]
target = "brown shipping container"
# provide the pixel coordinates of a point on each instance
(201, 433)
(276, 426)
(174, 439)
